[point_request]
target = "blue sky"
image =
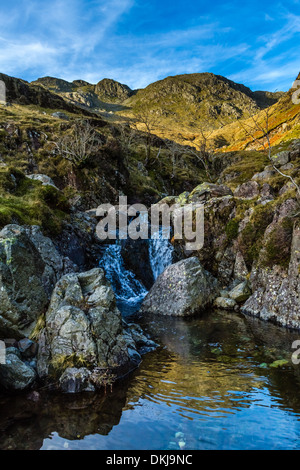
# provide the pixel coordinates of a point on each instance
(140, 41)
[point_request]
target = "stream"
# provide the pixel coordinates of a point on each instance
(214, 382)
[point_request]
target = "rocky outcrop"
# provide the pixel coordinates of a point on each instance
(29, 268)
(183, 289)
(109, 90)
(84, 328)
(276, 286)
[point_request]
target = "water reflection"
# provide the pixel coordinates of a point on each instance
(211, 384)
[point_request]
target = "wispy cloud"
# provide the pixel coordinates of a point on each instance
(137, 42)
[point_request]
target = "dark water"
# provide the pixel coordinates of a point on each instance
(211, 384)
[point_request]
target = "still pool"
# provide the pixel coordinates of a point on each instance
(222, 381)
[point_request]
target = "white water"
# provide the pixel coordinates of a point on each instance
(128, 289)
(160, 254)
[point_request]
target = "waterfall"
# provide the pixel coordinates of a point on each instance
(160, 254)
(128, 289)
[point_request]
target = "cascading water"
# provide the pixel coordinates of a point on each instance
(128, 289)
(160, 254)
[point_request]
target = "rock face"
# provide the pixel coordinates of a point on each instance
(83, 328)
(135, 254)
(276, 294)
(183, 289)
(110, 91)
(29, 268)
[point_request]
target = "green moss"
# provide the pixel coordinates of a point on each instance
(232, 229)
(277, 248)
(28, 202)
(251, 238)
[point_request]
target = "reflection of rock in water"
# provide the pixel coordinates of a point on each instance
(25, 424)
(205, 368)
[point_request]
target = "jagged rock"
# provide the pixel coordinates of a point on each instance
(241, 292)
(14, 374)
(83, 323)
(23, 295)
(183, 289)
(240, 268)
(224, 303)
(276, 286)
(30, 267)
(248, 190)
(109, 90)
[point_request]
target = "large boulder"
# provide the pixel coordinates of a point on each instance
(15, 375)
(84, 328)
(29, 269)
(183, 289)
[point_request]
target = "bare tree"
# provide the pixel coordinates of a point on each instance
(147, 120)
(127, 138)
(80, 144)
(176, 151)
(205, 152)
(263, 139)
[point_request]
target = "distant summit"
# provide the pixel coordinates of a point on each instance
(111, 91)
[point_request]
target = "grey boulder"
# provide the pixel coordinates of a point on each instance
(183, 289)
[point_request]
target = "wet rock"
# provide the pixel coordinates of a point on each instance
(135, 254)
(14, 374)
(183, 289)
(84, 327)
(143, 344)
(23, 296)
